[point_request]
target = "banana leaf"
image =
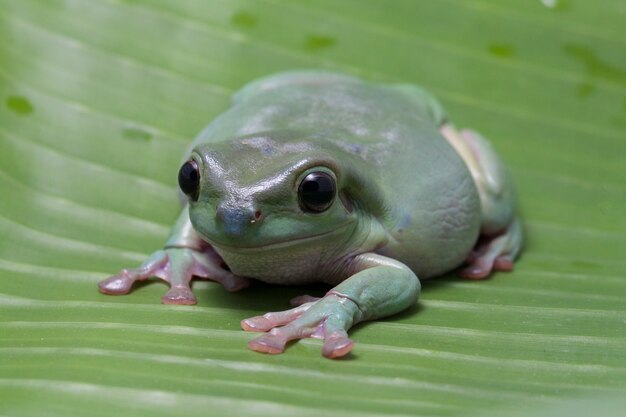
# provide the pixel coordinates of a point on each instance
(98, 100)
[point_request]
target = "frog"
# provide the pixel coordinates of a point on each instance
(314, 176)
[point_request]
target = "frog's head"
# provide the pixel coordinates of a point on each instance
(269, 190)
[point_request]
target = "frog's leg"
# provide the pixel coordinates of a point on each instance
(501, 231)
(378, 287)
(185, 255)
(496, 252)
(297, 77)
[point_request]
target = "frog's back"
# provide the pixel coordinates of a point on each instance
(346, 108)
(432, 208)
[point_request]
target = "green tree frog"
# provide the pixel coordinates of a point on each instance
(313, 176)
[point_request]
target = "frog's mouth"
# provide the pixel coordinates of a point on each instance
(276, 245)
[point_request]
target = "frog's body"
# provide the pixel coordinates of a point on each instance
(410, 197)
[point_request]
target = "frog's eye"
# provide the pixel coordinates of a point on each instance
(189, 179)
(316, 192)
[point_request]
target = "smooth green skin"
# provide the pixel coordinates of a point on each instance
(253, 157)
(406, 206)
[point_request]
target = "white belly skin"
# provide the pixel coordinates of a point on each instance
(317, 260)
(274, 267)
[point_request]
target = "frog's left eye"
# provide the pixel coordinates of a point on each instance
(316, 192)
(189, 179)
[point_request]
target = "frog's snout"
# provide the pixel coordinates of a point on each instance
(236, 220)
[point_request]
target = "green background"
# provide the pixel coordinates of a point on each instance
(98, 100)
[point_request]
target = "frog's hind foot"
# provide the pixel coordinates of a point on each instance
(494, 253)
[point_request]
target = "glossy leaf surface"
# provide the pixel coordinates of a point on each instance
(98, 100)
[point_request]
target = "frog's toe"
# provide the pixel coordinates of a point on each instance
(336, 341)
(478, 270)
(327, 318)
(123, 282)
(181, 295)
(337, 345)
(117, 284)
(481, 265)
(270, 320)
(497, 253)
(302, 299)
(503, 263)
(257, 324)
(275, 341)
(268, 344)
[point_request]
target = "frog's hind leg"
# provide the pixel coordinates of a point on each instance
(494, 253)
(501, 231)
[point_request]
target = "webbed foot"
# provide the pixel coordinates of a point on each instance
(327, 318)
(177, 266)
(377, 287)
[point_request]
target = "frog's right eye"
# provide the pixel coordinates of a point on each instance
(189, 179)
(317, 192)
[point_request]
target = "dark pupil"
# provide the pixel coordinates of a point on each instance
(189, 179)
(317, 191)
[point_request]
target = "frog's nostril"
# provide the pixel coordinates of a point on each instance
(236, 220)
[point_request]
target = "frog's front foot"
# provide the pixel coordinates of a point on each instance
(177, 266)
(327, 318)
(494, 253)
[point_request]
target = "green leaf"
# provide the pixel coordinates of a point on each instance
(98, 100)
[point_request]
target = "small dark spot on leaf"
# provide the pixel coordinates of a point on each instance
(594, 68)
(243, 20)
(19, 105)
(135, 133)
(317, 42)
(501, 50)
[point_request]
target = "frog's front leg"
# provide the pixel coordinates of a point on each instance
(184, 256)
(378, 287)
